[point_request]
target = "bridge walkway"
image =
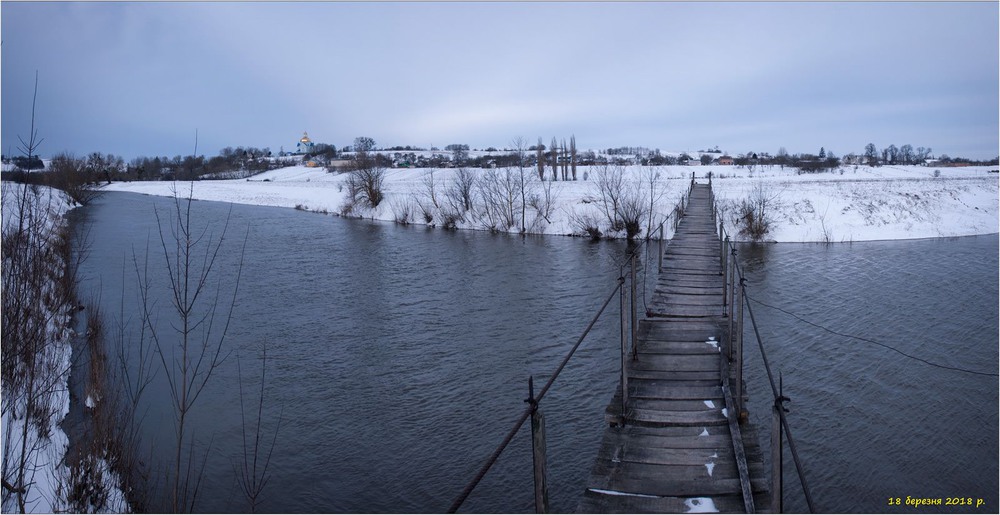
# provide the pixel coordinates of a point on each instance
(678, 446)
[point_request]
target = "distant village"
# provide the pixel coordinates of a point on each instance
(241, 162)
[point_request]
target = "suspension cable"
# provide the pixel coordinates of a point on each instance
(868, 340)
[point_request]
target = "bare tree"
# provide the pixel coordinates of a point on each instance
(252, 474)
(620, 200)
(565, 161)
(554, 159)
(430, 187)
(196, 350)
(754, 215)
(522, 179)
(540, 159)
(29, 147)
(461, 190)
(73, 176)
(657, 189)
(365, 182)
(499, 192)
(572, 154)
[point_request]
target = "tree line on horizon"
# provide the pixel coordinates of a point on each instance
(240, 162)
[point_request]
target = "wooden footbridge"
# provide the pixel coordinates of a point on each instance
(679, 439)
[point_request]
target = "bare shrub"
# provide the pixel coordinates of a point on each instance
(498, 190)
(657, 189)
(753, 215)
(365, 182)
(402, 211)
(586, 224)
(620, 201)
(544, 202)
(430, 187)
(450, 219)
(459, 194)
(73, 176)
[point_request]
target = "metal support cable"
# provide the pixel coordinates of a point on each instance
(532, 405)
(559, 369)
(778, 398)
(489, 462)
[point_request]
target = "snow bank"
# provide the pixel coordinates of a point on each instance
(852, 203)
(41, 209)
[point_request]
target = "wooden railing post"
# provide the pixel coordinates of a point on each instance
(725, 274)
(624, 342)
(777, 479)
(634, 306)
(659, 267)
(732, 297)
(538, 459)
(739, 351)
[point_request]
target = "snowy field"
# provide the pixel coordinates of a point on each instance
(849, 204)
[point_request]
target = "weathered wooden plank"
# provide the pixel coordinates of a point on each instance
(678, 363)
(710, 443)
(679, 348)
(701, 376)
(661, 487)
(685, 465)
(710, 405)
(652, 388)
(678, 418)
(690, 331)
(665, 304)
(627, 453)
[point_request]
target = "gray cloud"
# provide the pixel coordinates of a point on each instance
(140, 78)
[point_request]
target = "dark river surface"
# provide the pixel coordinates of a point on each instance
(398, 358)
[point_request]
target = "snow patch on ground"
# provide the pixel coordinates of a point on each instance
(700, 505)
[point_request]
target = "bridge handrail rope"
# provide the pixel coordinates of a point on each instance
(533, 401)
(730, 252)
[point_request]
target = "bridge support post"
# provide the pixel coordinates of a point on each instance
(634, 307)
(777, 480)
(732, 298)
(624, 342)
(538, 452)
(739, 351)
(725, 276)
(660, 265)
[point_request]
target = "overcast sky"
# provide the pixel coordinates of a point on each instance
(140, 78)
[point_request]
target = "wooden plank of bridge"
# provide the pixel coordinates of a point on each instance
(674, 451)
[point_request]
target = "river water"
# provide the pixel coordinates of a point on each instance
(398, 358)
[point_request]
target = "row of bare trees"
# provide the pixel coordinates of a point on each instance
(559, 158)
(514, 198)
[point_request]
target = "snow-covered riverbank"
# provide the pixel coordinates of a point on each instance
(853, 203)
(36, 348)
